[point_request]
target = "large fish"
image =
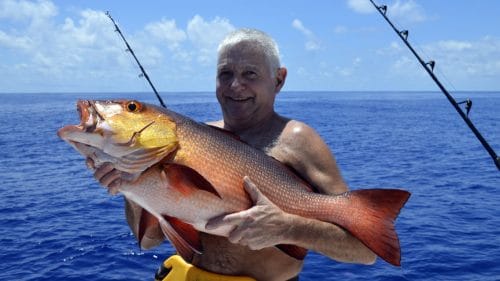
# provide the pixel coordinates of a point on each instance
(186, 173)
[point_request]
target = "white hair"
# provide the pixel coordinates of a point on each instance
(260, 39)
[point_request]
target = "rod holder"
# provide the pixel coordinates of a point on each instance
(431, 64)
(383, 8)
(404, 33)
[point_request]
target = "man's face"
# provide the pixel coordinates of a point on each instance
(246, 89)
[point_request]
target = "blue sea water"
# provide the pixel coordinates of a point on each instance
(58, 224)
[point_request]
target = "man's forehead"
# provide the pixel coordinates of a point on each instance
(248, 48)
(242, 54)
(239, 62)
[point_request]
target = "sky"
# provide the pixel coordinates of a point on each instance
(326, 45)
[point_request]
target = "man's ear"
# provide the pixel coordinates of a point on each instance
(280, 78)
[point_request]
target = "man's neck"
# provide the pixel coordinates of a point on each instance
(253, 127)
(261, 135)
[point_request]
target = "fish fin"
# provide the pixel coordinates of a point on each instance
(146, 221)
(185, 239)
(187, 180)
(296, 252)
(371, 219)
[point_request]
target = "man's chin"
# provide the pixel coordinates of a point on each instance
(238, 109)
(238, 116)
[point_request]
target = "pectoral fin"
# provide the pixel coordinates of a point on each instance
(149, 223)
(186, 180)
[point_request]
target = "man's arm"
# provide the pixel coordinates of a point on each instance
(314, 161)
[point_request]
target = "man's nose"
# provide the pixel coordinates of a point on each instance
(237, 84)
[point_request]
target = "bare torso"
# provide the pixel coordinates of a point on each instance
(224, 257)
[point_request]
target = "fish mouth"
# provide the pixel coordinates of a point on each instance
(89, 115)
(89, 118)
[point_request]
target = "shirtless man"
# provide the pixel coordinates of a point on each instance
(249, 76)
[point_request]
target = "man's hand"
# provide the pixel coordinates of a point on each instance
(261, 226)
(108, 176)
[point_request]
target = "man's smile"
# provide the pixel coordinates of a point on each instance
(239, 99)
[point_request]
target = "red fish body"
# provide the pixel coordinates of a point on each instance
(187, 173)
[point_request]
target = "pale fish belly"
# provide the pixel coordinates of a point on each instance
(153, 192)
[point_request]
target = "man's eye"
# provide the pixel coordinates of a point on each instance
(250, 74)
(224, 75)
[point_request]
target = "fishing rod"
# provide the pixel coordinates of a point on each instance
(129, 49)
(429, 67)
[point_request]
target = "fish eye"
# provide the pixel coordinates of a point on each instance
(133, 106)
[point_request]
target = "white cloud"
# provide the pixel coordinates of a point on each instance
(15, 42)
(82, 50)
(26, 10)
(406, 11)
(206, 35)
(466, 59)
(349, 70)
(297, 24)
(395, 45)
(403, 63)
(312, 42)
(453, 45)
(58, 54)
(457, 61)
(167, 31)
(361, 6)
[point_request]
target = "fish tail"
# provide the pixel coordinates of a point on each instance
(370, 215)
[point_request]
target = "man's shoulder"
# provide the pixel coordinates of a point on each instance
(296, 132)
(299, 143)
(296, 142)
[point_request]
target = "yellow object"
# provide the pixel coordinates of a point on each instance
(179, 270)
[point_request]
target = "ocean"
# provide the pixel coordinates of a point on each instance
(58, 224)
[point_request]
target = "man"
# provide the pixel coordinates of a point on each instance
(249, 76)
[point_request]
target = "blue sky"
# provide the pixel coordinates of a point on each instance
(342, 45)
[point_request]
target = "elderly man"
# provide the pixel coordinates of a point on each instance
(249, 76)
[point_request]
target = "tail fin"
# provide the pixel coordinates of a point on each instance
(370, 218)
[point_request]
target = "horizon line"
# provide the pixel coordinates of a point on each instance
(283, 92)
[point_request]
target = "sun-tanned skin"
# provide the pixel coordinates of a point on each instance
(246, 90)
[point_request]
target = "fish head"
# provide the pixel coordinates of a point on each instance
(131, 135)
